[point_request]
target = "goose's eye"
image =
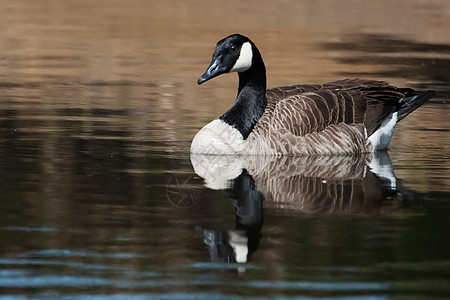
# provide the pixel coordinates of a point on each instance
(233, 48)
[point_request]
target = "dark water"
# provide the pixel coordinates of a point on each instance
(99, 198)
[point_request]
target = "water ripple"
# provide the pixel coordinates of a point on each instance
(79, 265)
(74, 253)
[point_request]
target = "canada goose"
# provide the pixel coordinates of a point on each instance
(339, 117)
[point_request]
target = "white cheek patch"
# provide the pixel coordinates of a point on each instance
(244, 61)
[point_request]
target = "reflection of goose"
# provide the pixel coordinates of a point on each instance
(307, 184)
(346, 116)
(310, 184)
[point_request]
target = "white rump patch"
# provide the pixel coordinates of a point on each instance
(381, 138)
(244, 61)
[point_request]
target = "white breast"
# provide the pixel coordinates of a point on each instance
(218, 138)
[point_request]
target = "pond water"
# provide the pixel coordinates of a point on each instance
(100, 199)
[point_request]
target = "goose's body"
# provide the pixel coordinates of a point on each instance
(340, 117)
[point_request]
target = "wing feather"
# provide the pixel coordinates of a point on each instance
(303, 109)
(336, 117)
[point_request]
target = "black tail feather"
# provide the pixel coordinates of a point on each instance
(411, 103)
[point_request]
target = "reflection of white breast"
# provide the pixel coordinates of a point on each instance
(218, 171)
(218, 138)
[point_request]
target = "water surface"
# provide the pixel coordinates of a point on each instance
(100, 199)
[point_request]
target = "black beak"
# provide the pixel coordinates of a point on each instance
(214, 69)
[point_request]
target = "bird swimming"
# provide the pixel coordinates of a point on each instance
(346, 116)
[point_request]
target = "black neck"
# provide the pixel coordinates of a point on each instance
(251, 99)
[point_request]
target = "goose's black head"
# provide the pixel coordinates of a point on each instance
(235, 53)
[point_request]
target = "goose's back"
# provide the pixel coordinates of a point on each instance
(336, 117)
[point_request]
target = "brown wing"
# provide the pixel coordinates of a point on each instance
(305, 109)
